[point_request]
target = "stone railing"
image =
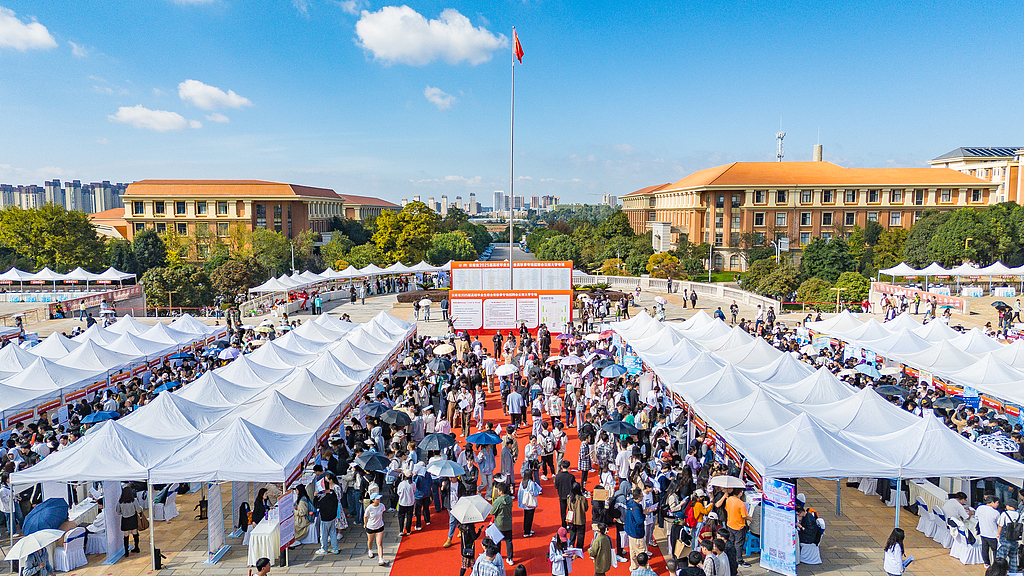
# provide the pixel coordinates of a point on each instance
(660, 285)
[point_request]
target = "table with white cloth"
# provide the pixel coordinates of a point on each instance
(930, 494)
(265, 541)
(84, 512)
(1004, 291)
(972, 292)
(943, 291)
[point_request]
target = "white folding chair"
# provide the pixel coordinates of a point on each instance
(72, 554)
(942, 534)
(926, 524)
(868, 485)
(811, 553)
(96, 543)
(170, 509)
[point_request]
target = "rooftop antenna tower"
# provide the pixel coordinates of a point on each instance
(780, 135)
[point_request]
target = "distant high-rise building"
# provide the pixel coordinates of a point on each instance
(9, 196)
(53, 193)
(444, 206)
(534, 202)
(518, 203)
(32, 196)
(404, 202)
(73, 197)
(416, 198)
(458, 202)
(610, 199)
(474, 208)
(498, 204)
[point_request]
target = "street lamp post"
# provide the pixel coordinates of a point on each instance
(711, 259)
(169, 292)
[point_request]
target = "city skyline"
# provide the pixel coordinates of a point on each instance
(403, 100)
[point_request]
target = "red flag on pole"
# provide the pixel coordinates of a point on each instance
(517, 48)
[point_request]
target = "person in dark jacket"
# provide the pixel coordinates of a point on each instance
(564, 481)
(635, 528)
(326, 503)
(424, 482)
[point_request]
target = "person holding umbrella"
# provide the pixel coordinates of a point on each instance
(468, 533)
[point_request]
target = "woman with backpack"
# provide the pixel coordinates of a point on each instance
(305, 513)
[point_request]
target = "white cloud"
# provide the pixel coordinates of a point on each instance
(158, 92)
(439, 98)
(353, 6)
(195, 124)
(78, 50)
(302, 6)
(218, 117)
(23, 36)
(399, 34)
(208, 97)
(142, 117)
(103, 89)
(103, 141)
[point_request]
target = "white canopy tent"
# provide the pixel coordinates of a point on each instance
(53, 347)
(901, 269)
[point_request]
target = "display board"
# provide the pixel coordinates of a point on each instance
(778, 527)
(286, 519)
(483, 297)
(215, 537)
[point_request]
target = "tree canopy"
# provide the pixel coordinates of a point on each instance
(52, 236)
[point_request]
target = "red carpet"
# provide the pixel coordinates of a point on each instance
(421, 553)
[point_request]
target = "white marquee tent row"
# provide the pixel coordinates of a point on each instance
(306, 279)
(934, 269)
(789, 420)
(60, 370)
(110, 275)
(967, 359)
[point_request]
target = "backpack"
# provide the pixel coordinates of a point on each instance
(1013, 531)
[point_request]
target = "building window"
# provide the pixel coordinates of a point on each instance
(946, 195)
(182, 228)
(720, 201)
(161, 227)
(201, 208)
(897, 196)
(222, 229)
(975, 195)
(718, 238)
(718, 261)
(261, 216)
(826, 218)
(734, 261)
(826, 236)
(872, 196)
(140, 226)
(919, 197)
(851, 218)
(851, 196)
(735, 222)
(780, 218)
(179, 208)
(736, 201)
(917, 216)
(289, 220)
(805, 196)
(652, 216)
(758, 218)
(805, 237)
(158, 207)
(827, 197)
(780, 196)
(895, 218)
(872, 216)
(652, 203)
(719, 220)
(137, 208)
(222, 208)
(759, 197)
(805, 218)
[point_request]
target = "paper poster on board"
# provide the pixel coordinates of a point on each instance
(286, 519)
(467, 313)
(215, 537)
(778, 527)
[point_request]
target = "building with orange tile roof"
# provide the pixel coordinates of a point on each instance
(363, 207)
(110, 223)
(794, 200)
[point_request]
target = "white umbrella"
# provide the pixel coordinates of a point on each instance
(554, 358)
(36, 541)
(471, 509)
(847, 372)
(426, 302)
(444, 349)
(593, 337)
(727, 482)
(660, 300)
(506, 370)
(809, 350)
(890, 370)
(446, 469)
(571, 361)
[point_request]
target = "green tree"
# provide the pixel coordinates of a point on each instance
(889, 250)
(817, 293)
(354, 229)
(663, 265)
(781, 283)
(477, 234)
(218, 254)
(121, 256)
(754, 247)
(639, 254)
(855, 287)
(450, 246)
(915, 250)
(588, 212)
(455, 218)
(405, 236)
(950, 245)
(872, 231)
(559, 247)
(271, 250)
(336, 249)
(538, 236)
(178, 247)
(236, 277)
(616, 225)
(307, 257)
(363, 255)
(150, 251)
(826, 259)
(187, 286)
(757, 272)
(52, 236)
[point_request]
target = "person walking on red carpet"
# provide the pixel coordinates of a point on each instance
(501, 510)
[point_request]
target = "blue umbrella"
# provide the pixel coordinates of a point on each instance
(869, 370)
(483, 438)
(181, 356)
(100, 417)
(165, 387)
(47, 516)
(614, 371)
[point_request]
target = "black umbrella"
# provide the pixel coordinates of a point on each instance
(440, 364)
(220, 344)
(619, 427)
(396, 418)
(372, 461)
(947, 402)
(373, 409)
(437, 441)
(1000, 304)
(406, 374)
(603, 363)
(890, 390)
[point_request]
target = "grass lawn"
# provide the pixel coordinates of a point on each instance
(723, 276)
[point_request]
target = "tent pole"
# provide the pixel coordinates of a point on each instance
(899, 495)
(283, 489)
(839, 498)
(152, 523)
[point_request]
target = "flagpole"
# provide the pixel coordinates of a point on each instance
(511, 164)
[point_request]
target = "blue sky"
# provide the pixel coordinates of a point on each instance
(394, 100)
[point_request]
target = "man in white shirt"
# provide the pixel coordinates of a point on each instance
(622, 462)
(489, 366)
(988, 516)
(955, 507)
